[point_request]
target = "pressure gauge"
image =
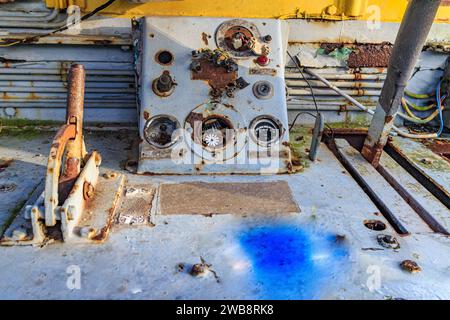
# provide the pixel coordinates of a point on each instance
(266, 130)
(159, 131)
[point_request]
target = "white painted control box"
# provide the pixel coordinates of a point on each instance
(212, 95)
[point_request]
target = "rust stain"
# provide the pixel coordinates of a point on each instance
(263, 71)
(440, 147)
(217, 77)
(330, 47)
(373, 153)
(5, 163)
(388, 119)
(5, 96)
(370, 55)
(205, 38)
(146, 115)
(102, 42)
(231, 33)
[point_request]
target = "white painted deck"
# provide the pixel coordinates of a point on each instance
(292, 256)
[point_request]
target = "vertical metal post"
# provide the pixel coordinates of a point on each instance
(74, 116)
(413, 32)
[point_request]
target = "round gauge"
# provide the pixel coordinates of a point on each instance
(237, 37)
(216, 132)
(263, 90)
(159, 131)
(265, 130)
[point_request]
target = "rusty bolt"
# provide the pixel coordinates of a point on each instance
(267, 38)
(88, 190)
(331, 10)
(410, 266)
(87, 232)
(19, 234)
(110, 175)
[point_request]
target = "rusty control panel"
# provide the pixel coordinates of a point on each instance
(212, 95)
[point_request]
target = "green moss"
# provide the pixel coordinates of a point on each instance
(348, 125)
(23, 128)
(300, 140)
(429, 161)
(26, 133)
(20, 123)
(352, 121)
(14, 212)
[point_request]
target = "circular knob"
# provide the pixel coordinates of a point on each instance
(164, 85)
(263, 90)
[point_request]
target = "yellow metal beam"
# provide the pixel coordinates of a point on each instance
(63, 4)
(389, 10)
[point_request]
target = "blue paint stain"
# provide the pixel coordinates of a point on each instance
(291, 263)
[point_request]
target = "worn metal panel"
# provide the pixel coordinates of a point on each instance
(397, 209)
(33, 83)
(431, 210)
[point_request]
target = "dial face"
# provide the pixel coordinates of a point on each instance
(237, 37)
(265, 130)
(263, 90)
(215, 132)
(159, 131)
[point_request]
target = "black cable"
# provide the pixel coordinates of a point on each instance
(297, 64)
(64, 28)
(312, 115)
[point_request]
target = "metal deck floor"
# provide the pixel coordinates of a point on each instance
(324, 252)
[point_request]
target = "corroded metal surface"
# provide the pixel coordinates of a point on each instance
(68, 142)
(396, 209)
(426, 163)
(370, 55)
(135, 207)
(440, 147)
(64, 134)
(101, 210)
(430, 209)
(217, 77)
(410, 40)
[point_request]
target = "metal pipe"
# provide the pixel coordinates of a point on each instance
(49, 17)
(33, 25)
(322, 92)
(74, 116)
(334, 76)
(342, 84)
(411, 37)
(58, 71)
(364, 108)
(339, 91)
(21, 14)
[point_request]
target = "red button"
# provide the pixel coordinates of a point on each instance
(262, 60)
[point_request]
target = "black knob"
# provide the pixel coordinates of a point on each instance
(267, 38)
(165, 82)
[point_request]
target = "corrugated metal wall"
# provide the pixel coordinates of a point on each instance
(33, 77)
(33, 82)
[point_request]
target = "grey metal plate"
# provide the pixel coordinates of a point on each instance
(221, 198)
